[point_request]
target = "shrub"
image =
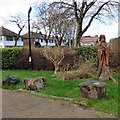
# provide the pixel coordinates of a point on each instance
(55, 55)
(17, 58)
(39, 61)
(9, 57)
(71, 60)
(87, 67)
(89, 53)
(115, 53)
(69, 75)
(84, 71)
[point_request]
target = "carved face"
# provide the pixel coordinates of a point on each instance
(102, 38)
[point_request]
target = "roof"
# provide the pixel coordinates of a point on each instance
(35, 35)
(88, 39)
(6, 32)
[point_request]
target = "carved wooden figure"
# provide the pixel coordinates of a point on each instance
(103, 54)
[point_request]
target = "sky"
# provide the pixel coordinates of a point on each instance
(12, 7)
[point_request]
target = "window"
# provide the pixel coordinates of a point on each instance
(64, 41)
(51, 41)
(41, 40)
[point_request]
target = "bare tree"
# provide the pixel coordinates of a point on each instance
(43, 24)
(60, 28)
(70, 33)
(19, 20)
(53, 22)
(55, 55)
(86, 11)
(62, 22)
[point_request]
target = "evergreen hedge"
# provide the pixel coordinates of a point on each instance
(9, 57)
(89, 53)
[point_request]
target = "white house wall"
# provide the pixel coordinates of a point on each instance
(12, 43)
(87, 44)
(51, 44)
(43, 43)
(2, 44)
(2, 38)
(8, 43)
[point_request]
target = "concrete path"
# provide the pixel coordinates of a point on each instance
(21, 105)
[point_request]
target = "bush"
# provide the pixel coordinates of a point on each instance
(72, 60)
(115, 53)
(17, 58)
(69, 75)
(9, 57)
(84, 71)
(39, 61)
(89, 53)
(55, 55)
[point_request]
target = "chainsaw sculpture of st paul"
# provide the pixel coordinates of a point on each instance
(103, 54)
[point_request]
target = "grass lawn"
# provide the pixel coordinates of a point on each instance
(70, 89)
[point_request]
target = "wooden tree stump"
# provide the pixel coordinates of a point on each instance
(93, 89)
(34, 83)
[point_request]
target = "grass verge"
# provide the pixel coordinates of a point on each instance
(70, 89)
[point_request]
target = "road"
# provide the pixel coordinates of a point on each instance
(21, 105)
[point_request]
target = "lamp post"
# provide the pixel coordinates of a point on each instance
(30, 53)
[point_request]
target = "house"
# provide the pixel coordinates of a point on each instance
(37, 38)
(7, 38)
(89, 40)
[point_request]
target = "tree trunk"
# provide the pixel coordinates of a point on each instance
(17, 38)
(56, 68)
(78, 35)
(46, 42)
(15, 43)
(58, 42)
(69, 43)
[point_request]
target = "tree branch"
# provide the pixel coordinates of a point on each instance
(75, 10)
(85, 29)
(88, 7)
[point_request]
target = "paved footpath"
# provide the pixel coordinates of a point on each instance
(21, 105)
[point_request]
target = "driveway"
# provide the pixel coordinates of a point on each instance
(21, 105)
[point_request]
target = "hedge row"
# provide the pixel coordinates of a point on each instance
(39, 61)
(9, 57)
(17, 58)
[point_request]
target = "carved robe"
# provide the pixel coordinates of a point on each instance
(103, 54)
